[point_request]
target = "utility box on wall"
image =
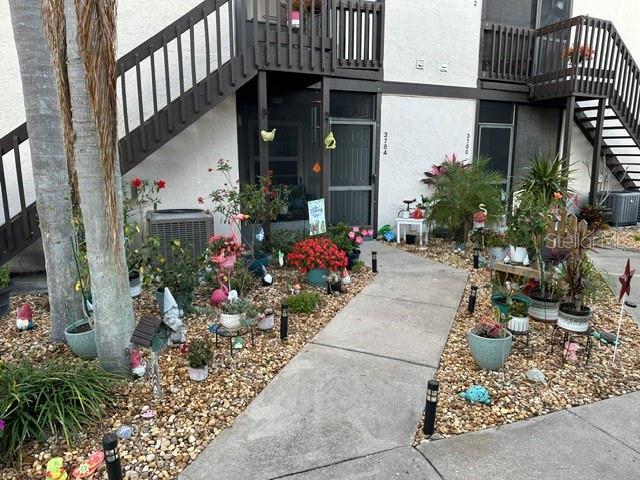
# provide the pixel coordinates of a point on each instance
(624, 206)
(192, 227)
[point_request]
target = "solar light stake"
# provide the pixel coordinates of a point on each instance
(476, 259)
(472, 298)
(111, 457)
(284, 321)
(430, 408)
(374, 262)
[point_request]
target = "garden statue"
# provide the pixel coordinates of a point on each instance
(172, 320)
(267, 278)
(280, 258)
(25, 315)
(260, 234)
(346, 278)
(570, 352)
(55, 469)
(221, 293)
(476, 394)
(480, 217)
(606, 338)
(330, 141)
(138, 365)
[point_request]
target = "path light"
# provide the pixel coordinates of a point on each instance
(476, 258)
(430, 408)
(284, 321)
(111, 457)
(374, 261)
(472, 298)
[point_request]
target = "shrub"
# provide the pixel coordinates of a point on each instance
(357, 266)
(200, 353)
(592, 214)
(305, 302)
(320, 253)
(283, 240)
(242, 279)
(59, 398)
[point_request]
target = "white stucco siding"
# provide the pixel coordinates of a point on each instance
(184, 161)
(418, 132)
(436, 32)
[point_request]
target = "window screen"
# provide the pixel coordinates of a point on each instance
(519, 13)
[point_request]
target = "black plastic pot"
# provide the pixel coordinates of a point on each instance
(5, 294)
(352, 258)
(410, 239)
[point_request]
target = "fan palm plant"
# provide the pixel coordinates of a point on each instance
(459, 190)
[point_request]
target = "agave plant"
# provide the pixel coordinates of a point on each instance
(547, 179)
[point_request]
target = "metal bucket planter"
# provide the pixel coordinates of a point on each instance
(489, 353)
(81, 338)
(5, 294)
(499, 253)
(266, 322)
(543, 309)
(317, 277)
(199, 374)
(572, 319)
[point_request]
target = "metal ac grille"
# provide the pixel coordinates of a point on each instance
(192, 230)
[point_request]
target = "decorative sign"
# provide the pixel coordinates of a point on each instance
(317, 219)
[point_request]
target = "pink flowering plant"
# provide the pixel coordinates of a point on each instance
(222, 248)
(349, 238)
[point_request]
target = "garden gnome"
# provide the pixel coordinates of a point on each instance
(172, 319)
(346, 278)
(25, 315)
(138, 365)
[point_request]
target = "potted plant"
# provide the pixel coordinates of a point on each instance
(199, 355)
(490, 343)
(519, 237)
(459, 189)
(267, 319)
(505, 296)
(519, 316)
(317, 256)
(497, 244)
(349, 240)
(5, 290)
(233, 313)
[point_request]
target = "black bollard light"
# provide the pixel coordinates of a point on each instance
(284, 321)
(430, 408)
(374, 262)
(476, 258)
(472, 298)
(111, 457)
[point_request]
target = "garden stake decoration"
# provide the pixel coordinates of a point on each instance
(625, 289)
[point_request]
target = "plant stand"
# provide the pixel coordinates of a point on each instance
(547, 325)
(230, 335)
(571, 336)
(421, 223)
(521, 341)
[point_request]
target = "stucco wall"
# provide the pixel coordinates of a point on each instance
(436, 32)
(418, 132)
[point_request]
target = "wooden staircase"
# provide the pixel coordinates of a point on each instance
(584, 58)
(176, 76)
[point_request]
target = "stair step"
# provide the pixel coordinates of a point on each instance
(617, 137)
(622, 154)
(608, 127)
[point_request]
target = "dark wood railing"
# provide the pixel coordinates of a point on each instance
(174, 77)
(506, 52)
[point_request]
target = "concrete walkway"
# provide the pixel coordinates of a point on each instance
(611, 262)
(347, 406)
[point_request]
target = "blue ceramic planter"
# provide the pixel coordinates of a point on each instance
(489, 353)
(317, 277)
(83, 344)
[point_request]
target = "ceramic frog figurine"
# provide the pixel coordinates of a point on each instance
(55, 469)
(476, 394)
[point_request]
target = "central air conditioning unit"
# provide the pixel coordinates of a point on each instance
(192, 227)
(624, 206)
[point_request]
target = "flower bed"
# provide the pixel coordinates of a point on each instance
(513, 396)
(190, 414)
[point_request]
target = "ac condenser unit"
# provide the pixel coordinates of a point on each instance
(192, 227)
(624, 206)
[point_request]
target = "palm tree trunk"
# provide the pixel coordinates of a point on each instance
(113, 309)
(49, 164)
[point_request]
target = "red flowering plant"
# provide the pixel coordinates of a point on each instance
(440, 169)
(317, 252)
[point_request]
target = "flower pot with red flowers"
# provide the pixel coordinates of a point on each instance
(316, 257)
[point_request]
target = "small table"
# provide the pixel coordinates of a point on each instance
(421, 223)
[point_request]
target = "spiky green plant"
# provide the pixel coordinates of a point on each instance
(546, 175)
(458, 193)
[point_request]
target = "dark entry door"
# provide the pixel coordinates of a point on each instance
(352, 172)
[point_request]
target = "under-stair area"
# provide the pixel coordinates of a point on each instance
(173, 78)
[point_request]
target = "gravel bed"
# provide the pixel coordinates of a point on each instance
(514, 397)
(190, 414)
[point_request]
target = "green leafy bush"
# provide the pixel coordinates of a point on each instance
(357, 266)
(284, 240)
(59, 398)
(200, 353)
(305, 302)
(242, 279)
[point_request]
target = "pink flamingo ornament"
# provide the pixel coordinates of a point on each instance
(221, 293)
